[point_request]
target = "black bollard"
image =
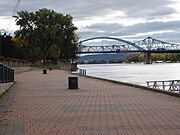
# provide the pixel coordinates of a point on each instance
(50, 68)
(73, 82)
(44, 71)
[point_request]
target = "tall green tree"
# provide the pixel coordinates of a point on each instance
(45, 28)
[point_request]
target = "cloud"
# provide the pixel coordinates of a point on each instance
(128, 19)
(137, 30)
(88, 8)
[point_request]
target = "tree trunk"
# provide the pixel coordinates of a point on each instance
(44, 58)
(44, 61)
(34, 62)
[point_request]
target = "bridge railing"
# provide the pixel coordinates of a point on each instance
(6, 74)
(168, 85)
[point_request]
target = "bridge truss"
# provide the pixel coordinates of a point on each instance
(148, 44)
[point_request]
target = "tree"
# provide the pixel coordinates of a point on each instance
(45, 28)
(8, 49)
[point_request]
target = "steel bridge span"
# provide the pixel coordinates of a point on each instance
(147, 46)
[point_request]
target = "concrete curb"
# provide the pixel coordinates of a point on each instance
(4, 87)
(134, 85)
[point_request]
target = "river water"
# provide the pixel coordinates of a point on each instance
(134, 73)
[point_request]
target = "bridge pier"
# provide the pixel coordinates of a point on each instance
(147, 56)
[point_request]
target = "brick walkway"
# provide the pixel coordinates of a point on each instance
(42, 105)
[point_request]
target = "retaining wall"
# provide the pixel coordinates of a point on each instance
(21, 69)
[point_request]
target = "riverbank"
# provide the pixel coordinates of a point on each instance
(137, 86)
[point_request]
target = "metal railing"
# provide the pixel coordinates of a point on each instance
(13, 62)
(168, 85)
(6, 74)
(82, 71)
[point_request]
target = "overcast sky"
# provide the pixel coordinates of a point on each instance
(126, 19)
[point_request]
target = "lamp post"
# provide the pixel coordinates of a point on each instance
(2, 33)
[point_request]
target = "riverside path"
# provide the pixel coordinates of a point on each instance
(42, 105)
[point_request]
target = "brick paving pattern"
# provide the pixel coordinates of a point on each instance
(43, 105)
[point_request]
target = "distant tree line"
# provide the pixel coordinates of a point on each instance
(173, 57)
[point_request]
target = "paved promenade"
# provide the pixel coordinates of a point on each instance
(42, 105)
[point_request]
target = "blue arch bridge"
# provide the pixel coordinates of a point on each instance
(147, 46)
